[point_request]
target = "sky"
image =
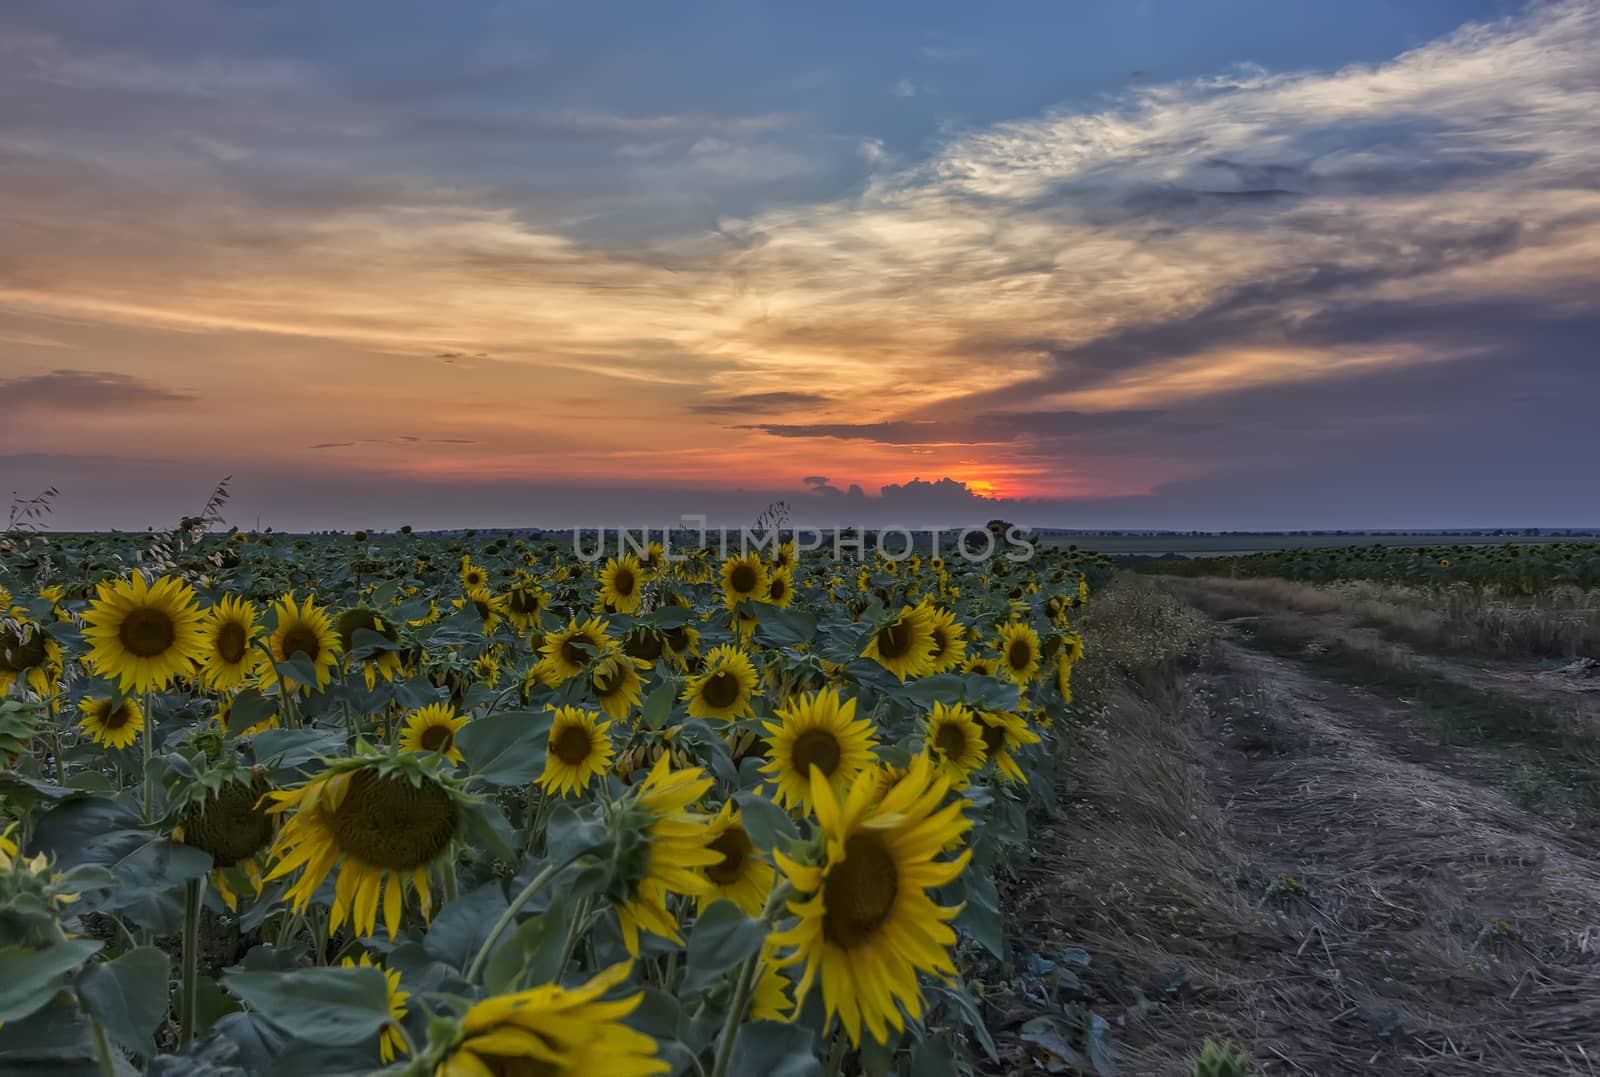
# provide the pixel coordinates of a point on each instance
(1189, 264)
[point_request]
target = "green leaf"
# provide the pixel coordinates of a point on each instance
(774, 1049)
(671, 617)
(980, 916)
(128, 996)
(154, 867)
(765, 822)
(327, 1006)
(785, 626)
(249, 707)
(570, 833)
(298, 668)
(30, 978)
(286, 749)
(531, 954)
(967, 1008)
(463, 925)
(658, 704)
(723, 937)
(365, 643)
(506, 748)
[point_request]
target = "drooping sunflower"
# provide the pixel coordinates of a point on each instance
(741, 875)
(949, 640)
(524, 603)
(1005, 734)
(111, 723)
(569, 652)
(644, 643)
(383, 820)
(867, 925)
(144, 634)
(622, 584)
(553, 1031)
(390, 1040)
(724, 686)
(579, 751)
(490, 607)
(1019, 652)
(818, 730)
(904, 646)
(614, 677)
(433, 728)
(955, 739)
(230, 633)
(27, 655)
(743, 578)
(304, 629)
(222, 813)
(780, 587)
(382, 662)
(669, 854)
(683, 644)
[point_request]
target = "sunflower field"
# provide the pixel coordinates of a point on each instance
(1509, 568)
(463, 806)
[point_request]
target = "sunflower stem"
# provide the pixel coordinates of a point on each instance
(575, 932)
(447, 871)
(193, 892)
(745, 987)
(146, 736)
(836, 1054)
(536, 884)
(102, 1049)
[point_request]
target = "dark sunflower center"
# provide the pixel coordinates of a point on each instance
(994, 738)
(228, 824)
(642, 643)
(950, 741)
(231, 642)
(519, 1066)
(572, 745)
(523, 603)
(301, 639)
(941, 642)
(895, 641)
(777, 590)
(1019, 654)
(735, 847)
(815, 747)
(485, 610)
(437, 738)
(678, 638)
(859, 893)
(607, 679)
(622, 582)
(147, 632)
(389, 823)
(743, 579)
(474, 579)
(18, 654)
(115, 719)
(722, 689)
(574, 654)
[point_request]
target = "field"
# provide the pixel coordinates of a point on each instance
(1236, 543)
(1053, 818)
(337, 804)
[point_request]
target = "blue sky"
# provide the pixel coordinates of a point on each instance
(1147, 263)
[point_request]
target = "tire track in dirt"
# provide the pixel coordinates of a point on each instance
(1443, 928)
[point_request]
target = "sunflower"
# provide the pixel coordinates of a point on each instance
(741, 875)
(780, 587)
(955, 740)
(230, 631)
(569, 651)
(1071, 646)
(27, 655)
(473, 577)
(771, 999)
(579, 751)
(866, 925)
(616, 684)
(490, 607)
(644, 643)
(305, 630)
(723, 687)
(433, 729)
(1064, 678)
(1003, 736)
(979, 665)
(904, 646)
(486, 668)
(1019, 652)
(742, 578)
(524, 603)
(382, 662)
(818, 731)
(378, 819)
(111, 723)
(552, 1031)
(949, 639)
(223, 711)
(390, 1041)
(621, 584)
(144, 634)
(672, 847)
(682, 644)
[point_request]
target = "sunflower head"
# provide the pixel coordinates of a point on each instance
(223, 812)
(579, 751)
(903, 644)
(817, 731)
(144, 634)
(112, 722)
(743, 578)
(723, 687)
(433, 728)
(614, 677)
(622, 584)
(661, 849)
(1018, 645)
(28, 655)
(741, 875)
(305, 631)
(955, 739)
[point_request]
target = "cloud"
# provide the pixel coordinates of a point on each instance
(745, 403)
(988, 429)
(86, 390)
